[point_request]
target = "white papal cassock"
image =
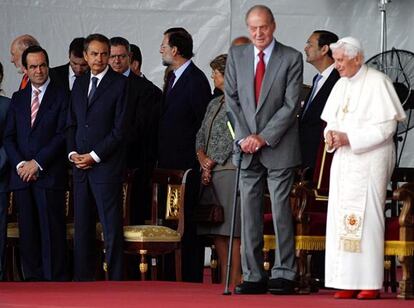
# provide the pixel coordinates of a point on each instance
(367, 109)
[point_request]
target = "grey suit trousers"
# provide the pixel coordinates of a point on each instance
(252, 188)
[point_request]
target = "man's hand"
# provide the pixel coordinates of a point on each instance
(83, 161)
(28, 171)
(252, 144)
(336, 139)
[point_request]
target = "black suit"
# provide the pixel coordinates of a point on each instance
(311, 126)
(60, 75)
(41, 203)
(144, 100)
(99, 126)
(182, 112)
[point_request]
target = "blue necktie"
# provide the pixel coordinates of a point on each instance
(316, 79)
(93, 89)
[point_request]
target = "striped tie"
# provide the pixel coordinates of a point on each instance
(35, 105)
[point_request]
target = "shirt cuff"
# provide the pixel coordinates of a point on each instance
(95, 157)
(70, 154)
(20, 164)
(40, 167)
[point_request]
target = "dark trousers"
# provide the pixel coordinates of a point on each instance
(3, 232)
(106, 199)
(42, 228)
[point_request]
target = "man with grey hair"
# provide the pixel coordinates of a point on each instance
(362, 112)
(20, 44)
(262, 86)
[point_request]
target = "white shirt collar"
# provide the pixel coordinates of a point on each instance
(100, 75)
(42, 89)
(127, 72)
(179, 71)
(328, 71)
(72, 77)
(267, 51)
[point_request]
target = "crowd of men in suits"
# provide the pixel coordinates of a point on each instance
(90, 110)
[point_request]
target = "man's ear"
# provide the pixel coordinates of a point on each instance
(174, 51)
(325, 49)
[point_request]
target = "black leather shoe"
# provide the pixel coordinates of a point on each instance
(281, 286)
(250, 287)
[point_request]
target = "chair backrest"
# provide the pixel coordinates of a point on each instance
(169, 189)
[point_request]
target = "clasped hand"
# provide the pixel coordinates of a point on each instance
(82, 161)
(252, 144)
(335, 139)
(28, 171)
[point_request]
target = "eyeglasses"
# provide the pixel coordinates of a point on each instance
(120, 57)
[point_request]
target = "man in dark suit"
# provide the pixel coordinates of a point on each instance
(185, 100)
(310, 125)
(96, 128)
(143, 100)
(262, 86)
(66, 74)
(4, 178)
(35, 144)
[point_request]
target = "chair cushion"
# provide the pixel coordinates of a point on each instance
(317, 223)
(268, 224)
(13, 230)
(149, 233)
(392, 229)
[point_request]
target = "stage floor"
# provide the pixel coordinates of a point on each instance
(164, 295)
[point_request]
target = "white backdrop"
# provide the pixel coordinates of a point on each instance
(213, 24)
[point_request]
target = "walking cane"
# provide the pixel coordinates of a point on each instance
(233, 218)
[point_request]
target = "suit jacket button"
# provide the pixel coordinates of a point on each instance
(86, 125)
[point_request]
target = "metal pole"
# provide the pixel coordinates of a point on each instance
(233, 221)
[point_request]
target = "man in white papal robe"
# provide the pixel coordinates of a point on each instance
(362, 112)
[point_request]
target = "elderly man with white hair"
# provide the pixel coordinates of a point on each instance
(361, 114)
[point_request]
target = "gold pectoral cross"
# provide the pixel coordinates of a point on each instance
(345, 109)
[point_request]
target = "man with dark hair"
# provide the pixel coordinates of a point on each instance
(143, 99)
(35, 144)
(4, 178)
(136, 60)
(311, 126)
(96, 129)
(185, 100)
(66, 74)
(17, 47)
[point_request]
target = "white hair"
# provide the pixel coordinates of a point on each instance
(350, 50)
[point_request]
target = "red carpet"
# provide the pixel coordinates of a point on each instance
(165, 295)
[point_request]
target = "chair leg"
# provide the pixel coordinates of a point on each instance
(178, 276)
(303, 271)
(143, 265)
(266, 260)
(154, 272)
(214, 268)
(407, 280)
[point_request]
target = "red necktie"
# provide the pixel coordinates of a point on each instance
(35, 106)
(258, 79)
(24, 82)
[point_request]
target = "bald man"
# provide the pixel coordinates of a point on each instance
(17, 47)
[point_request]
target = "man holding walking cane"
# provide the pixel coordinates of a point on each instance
(262, 86)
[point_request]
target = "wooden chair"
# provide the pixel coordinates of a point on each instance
(13, 269)
(157, 240)
(399, 233)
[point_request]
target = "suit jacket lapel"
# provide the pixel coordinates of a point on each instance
(272, 68)
(44, 105)
(27, 110)
(248, 58)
